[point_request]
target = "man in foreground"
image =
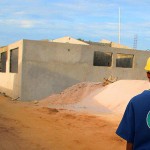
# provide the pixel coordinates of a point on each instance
(135, 124)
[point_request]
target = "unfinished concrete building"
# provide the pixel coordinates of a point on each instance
(32, 70)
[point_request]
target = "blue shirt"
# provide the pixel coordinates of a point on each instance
(135, 124)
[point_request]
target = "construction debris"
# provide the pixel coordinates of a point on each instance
(109, 80)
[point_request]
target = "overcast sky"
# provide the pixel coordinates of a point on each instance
(92, 20)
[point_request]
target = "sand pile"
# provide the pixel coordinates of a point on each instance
(116, 96)
(94, 98)
(71, 95)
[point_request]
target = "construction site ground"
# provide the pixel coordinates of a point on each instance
(26, 127)
(40, 126)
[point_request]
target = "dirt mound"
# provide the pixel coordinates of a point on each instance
(95, 98)
(71, 95)
(116, 96)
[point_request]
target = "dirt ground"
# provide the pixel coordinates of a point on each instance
(25, 126)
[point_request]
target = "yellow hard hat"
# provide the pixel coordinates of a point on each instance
(147, 67)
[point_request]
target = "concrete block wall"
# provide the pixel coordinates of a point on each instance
(49, 67)
(45, 68)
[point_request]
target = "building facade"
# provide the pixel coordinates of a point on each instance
(32, 70)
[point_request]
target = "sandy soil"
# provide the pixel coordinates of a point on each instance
(26, 126)
(94, 98)
(73, 94)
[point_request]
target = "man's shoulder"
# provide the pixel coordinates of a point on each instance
(140, 97)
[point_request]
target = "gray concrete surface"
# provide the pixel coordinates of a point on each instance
(46, 68)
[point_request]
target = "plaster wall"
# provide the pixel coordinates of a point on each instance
(10, 82)
(50, 67)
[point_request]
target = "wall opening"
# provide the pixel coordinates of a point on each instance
(102, 59)
(14, 60)
(124, 60)
(3, 56)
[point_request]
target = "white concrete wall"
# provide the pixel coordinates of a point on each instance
(10, 83)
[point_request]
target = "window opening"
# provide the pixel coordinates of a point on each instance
(3, 62)
(124, 60)
(14, 60)
(102, 59)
